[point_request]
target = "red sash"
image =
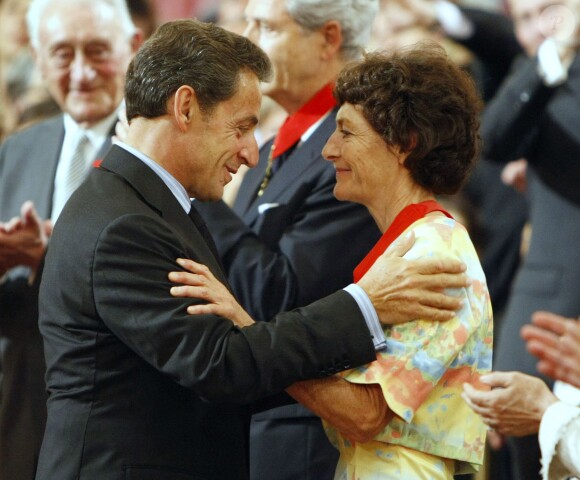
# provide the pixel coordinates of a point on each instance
(406, 217)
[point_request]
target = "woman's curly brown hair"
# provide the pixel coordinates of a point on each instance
(421, 102)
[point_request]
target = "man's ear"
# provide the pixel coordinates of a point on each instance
(184, 107)
(332, 34)
(137, 40)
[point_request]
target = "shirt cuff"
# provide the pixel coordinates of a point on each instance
(554, 422)
(567, 393)
(550, 67)
(369, 314)
(452, 20)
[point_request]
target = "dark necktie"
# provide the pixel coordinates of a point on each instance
(272, 167)
(202, 227)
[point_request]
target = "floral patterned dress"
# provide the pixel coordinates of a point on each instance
(434, 434)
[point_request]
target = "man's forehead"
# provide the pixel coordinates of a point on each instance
(261, 9)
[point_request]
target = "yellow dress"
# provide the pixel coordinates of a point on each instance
(434, 434)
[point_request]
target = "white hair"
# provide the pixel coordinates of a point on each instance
(354, 16)
(37, 9)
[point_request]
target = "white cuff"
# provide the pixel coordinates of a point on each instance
(553, 427)
(550, 66)
(369, 313)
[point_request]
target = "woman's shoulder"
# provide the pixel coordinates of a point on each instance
(437, 231)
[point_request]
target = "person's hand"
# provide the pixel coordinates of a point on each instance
(515, 404)
(495, 440)
(199, 282)
(555, 340)
(404, 290)
(514, 174)
(24, 239)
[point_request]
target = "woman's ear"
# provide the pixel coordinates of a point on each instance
(403, 155)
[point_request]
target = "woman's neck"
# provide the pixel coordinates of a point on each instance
(386, 210)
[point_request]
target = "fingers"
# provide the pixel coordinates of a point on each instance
(550, 321)
(194, 267)
(542, 350)
(533, 333)
(442, 301)
(418, 304)
(188, 291)
(481, 402)
(186, 278)
(29, 215)
(207, 309)
(498, 379)
(48, 227)
(495, 440)
(429, 266)
(441, 281)
(514, 174)
(12, 225)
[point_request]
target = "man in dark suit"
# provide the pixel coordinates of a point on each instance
(137, 388)
(82, 50)
(293, 242)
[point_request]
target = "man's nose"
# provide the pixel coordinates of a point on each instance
(250, 153)
(81, 69)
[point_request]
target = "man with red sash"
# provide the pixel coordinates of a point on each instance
(288, 241)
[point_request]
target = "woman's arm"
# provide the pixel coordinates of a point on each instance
(359, 412)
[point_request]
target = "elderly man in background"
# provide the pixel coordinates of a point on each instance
(287, 241)
(82, 49)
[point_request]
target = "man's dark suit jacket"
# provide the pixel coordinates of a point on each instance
(293, 245)
(138, 389)
(28, 162)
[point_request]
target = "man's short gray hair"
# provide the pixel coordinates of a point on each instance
(355, 17)
(35, 16)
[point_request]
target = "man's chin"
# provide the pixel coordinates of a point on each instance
(89, 113)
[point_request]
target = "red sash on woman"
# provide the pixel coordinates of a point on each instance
(406, 217)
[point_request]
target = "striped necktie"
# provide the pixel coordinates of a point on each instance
(78, 168)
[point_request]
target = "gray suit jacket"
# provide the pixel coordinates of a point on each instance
(28, 162)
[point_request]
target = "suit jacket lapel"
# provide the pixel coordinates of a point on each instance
(300, 160)
(153, 191)
(49, 144)
(106, 145)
